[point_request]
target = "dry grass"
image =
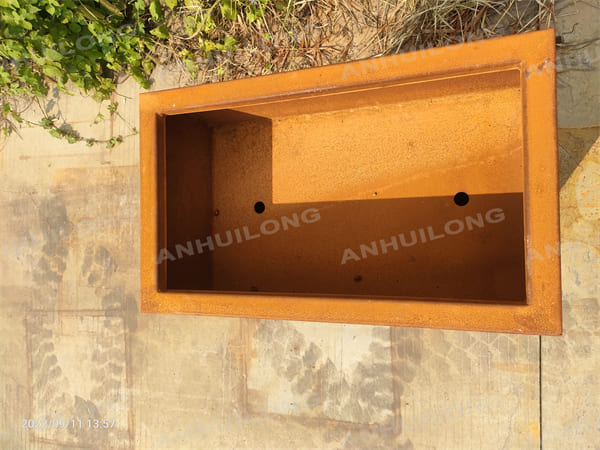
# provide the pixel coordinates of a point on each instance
(306, 33)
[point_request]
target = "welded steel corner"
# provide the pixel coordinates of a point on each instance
(418, 189)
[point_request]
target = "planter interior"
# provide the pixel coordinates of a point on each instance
(338, 174)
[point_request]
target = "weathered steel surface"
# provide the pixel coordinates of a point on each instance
(361, 169)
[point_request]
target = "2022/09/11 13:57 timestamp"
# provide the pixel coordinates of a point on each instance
(37, 424)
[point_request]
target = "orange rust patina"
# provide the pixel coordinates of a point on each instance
(410, 190)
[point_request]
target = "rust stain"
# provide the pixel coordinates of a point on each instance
(534, 431)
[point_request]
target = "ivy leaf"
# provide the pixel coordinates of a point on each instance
(139, 6)
(4, 77)
(191, 66)
(52, 54)
(16, 19)
(156, 10)
(13, 31)
(52, 71)
(55, 132)
(229, 43)
(148, 66)
(114, 141)
(171, 3)
(161, 32)
(228, 9)
(9, 3)
(140, 78)
(190, 24)
(74, 27)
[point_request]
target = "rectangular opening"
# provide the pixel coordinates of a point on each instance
(356, 193)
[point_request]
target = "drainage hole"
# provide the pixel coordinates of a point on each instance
(259, 207)
(461, 198)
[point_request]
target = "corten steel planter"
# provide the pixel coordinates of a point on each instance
(413, 190)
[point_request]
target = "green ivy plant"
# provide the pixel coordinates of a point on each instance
(85, 42)
(203, 20)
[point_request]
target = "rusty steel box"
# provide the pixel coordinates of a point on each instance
(417, 189)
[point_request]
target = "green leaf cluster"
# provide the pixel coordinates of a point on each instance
(86, 43)
(210, 15)
(83, 41)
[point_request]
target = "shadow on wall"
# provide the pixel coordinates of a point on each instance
(573, 146)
